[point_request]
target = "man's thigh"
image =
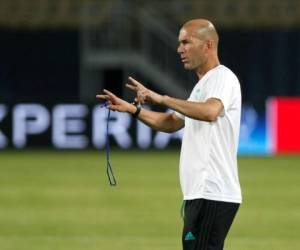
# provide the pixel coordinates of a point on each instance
(206, 224)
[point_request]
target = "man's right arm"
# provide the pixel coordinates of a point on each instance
(166, 122)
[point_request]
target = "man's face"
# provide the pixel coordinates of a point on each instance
(191, 48)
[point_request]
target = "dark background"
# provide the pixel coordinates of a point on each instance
(43, 65)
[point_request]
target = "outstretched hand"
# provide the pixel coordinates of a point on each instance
(144, 95)
(114, 103)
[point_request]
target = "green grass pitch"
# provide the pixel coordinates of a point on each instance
(53, 200)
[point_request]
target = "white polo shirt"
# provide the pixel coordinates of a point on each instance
(208, 160)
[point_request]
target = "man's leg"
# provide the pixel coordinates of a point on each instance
(225, 214)
(206, 224)
(199, 216)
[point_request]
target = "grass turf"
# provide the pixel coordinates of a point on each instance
(62, 201)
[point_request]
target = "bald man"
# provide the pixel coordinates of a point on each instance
(211, 121)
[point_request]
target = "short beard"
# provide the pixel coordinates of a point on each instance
(188, 67)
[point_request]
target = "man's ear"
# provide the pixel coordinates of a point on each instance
(210, 44)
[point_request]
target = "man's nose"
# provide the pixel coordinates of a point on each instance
(179, 49)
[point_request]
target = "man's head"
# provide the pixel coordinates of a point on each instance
(198, 44)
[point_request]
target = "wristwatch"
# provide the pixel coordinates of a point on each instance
(138, 109)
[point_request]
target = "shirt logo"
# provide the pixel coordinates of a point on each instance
(197, 94)
(189, 236)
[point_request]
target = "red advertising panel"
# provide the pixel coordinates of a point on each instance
(284, 124)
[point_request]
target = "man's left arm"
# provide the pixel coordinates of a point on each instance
(204, 111)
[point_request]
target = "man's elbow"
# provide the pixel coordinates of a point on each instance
(173, 129)
(211, 116)
(213, 109)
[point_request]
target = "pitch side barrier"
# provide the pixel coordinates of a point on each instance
(80, 126)
(75, 126)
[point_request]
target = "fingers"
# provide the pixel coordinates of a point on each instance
(135, 82)
(140, 98)
(113, 99)
(111, 107)
(103, 97)
(108, 93)
(131, 87)
(138, 88)
(108, 97)
(107, 104)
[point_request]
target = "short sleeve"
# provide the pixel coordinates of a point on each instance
(220, 86)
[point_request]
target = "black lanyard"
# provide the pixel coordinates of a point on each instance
(109, 170)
